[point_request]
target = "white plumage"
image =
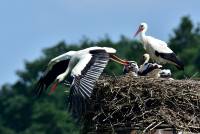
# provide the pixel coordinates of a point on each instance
(81, 68)
(157, 49)
(165, 73)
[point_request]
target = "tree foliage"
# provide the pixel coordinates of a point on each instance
(22, 112)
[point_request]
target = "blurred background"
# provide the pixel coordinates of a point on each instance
(34, 31)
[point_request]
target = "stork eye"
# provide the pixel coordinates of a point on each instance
(141, 26)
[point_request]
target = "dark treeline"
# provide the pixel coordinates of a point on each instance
(21, 112)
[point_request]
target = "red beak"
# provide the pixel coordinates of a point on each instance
(118, 60)
(53, 88)
(138, 31)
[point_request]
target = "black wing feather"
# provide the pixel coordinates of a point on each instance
(82, 86)
(148, 68)
(171, 57)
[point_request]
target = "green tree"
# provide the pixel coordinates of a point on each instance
(186, 44)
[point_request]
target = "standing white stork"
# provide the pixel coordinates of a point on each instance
(84, 67)
(158, 50)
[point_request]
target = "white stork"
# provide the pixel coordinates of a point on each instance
(158, 50)
(147, 67)
(83, 68)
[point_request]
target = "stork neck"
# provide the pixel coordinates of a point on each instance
(62, 76)
(66, 72)
(146, 60)
(72, 63)
(143, 36)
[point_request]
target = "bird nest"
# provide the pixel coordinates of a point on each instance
(143, 103)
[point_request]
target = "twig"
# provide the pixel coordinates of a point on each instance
(148, 127)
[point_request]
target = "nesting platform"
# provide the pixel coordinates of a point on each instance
(127, 103)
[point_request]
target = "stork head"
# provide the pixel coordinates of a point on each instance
(60, 77)
(142, 28)
(58, 80)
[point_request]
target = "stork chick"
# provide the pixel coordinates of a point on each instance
(147, 67)
(131, 67)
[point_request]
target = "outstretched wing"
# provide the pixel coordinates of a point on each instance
(91, 67)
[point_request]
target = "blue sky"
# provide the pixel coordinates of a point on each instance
(28, 26)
